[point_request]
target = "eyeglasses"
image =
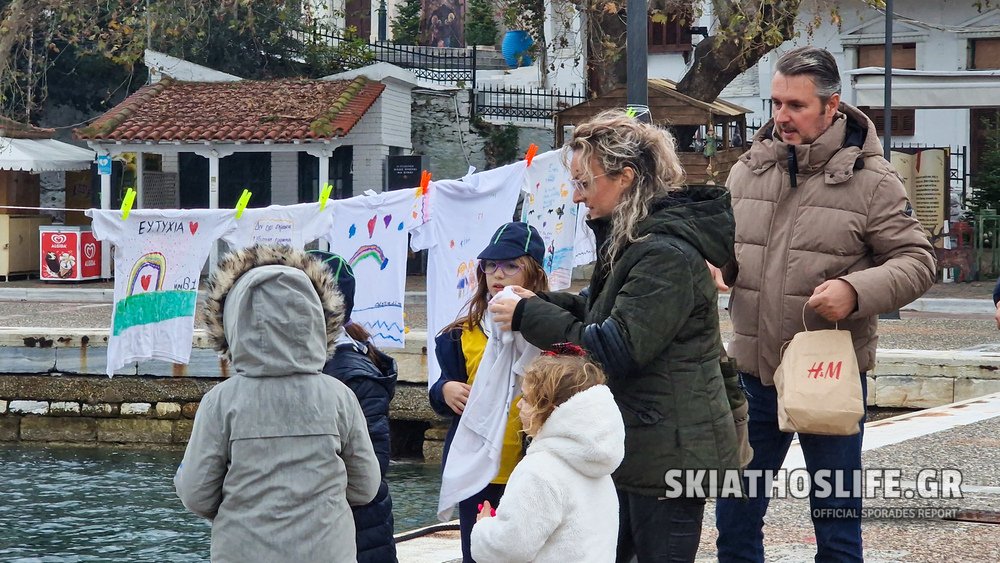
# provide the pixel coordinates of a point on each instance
(582, 185)
(509, 268)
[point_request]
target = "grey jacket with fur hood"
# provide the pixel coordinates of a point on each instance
(279, 451)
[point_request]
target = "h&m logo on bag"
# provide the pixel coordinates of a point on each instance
(832, 370)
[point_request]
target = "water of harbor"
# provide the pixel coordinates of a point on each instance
(87, 504)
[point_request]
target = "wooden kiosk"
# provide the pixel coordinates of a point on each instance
(724, 121)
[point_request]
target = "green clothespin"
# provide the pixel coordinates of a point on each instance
(127, 203)
(241, 205)
(324, 195)
(630, 112)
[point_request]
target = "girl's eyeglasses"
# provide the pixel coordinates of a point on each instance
(581, 185)
(508, 267)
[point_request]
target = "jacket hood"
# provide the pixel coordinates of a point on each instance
(700, 215)
(586, 432)
(273, 311)
(837, 152)
(354, 363)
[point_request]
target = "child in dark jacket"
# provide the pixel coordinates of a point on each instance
(371, 374)
(514, 256)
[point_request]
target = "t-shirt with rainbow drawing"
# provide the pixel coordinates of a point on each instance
(291, 225)
(159, 255)
(370, 233)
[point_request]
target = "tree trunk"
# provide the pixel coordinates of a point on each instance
(719, 59)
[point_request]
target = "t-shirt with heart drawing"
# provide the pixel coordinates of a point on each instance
(159, 255)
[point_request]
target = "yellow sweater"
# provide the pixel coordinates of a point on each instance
(473, 346)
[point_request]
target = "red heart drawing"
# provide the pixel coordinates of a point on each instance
(371, 226)
(144, 280)
(193, 225)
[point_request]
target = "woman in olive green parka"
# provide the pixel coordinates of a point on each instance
(650, 317)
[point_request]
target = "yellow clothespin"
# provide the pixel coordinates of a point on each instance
(241, 205)
(127, 203)
(630, 112)
(324, 195)
(532, 151)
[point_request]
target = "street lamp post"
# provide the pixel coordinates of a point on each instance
(887, 103)
(636, 93)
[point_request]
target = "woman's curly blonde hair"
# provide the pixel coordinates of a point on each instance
(617, 141)
(550, 381)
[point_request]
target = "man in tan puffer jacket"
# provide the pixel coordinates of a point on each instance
(823, 226)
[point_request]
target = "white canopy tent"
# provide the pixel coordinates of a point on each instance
(927, 88)
(43, 155)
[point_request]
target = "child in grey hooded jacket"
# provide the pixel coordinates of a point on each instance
(279, 451)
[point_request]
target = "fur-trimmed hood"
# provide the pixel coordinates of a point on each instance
(270, 309)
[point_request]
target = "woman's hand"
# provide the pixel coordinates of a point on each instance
(503, 311)
(521, 292)
(720, 284)
(456, 394)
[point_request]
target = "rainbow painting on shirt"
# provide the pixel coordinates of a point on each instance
(146, 301)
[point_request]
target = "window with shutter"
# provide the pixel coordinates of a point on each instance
(903, 120)
(670, 36)
(904, 56)
(984, 54)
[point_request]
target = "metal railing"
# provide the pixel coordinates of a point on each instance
(441, 65)
(523, 104)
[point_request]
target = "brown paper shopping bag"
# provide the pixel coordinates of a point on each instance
(819, 385)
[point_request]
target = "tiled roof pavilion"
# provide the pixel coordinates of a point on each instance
(216, 119)
(237, 112)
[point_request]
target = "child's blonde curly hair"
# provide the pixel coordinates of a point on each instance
(550, 381)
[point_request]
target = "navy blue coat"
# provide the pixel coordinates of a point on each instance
(374, 389)
(451, 358)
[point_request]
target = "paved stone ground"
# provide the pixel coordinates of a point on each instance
(920, 331)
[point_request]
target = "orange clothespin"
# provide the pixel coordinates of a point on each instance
(127, 202)
(425, 180)
(532, 151)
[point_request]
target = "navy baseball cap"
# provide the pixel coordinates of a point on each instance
(514, 240)
(343, 276)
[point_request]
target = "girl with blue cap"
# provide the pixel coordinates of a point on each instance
(513, 257)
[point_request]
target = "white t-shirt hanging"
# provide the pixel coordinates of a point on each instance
(585, 245)
(370, 232)
(159, 255)
(291, 225)
(464, 214)
(549, 208)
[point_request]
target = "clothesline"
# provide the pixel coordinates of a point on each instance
(40, 208)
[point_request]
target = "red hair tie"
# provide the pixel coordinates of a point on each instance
(565, 349)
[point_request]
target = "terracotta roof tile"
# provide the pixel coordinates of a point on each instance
(277, 110)
(17, 130)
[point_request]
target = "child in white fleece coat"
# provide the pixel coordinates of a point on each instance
(560, 504)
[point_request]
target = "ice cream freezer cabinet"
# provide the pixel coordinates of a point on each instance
(68, 253)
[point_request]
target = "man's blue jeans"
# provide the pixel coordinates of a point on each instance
(741, 521)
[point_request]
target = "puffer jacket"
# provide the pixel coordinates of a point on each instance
(374, 388)
(652, 322)
(560, 504)
(848, 218)
(278, 451)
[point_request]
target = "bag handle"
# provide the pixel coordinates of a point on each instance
(781, 353)
(836, 325)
